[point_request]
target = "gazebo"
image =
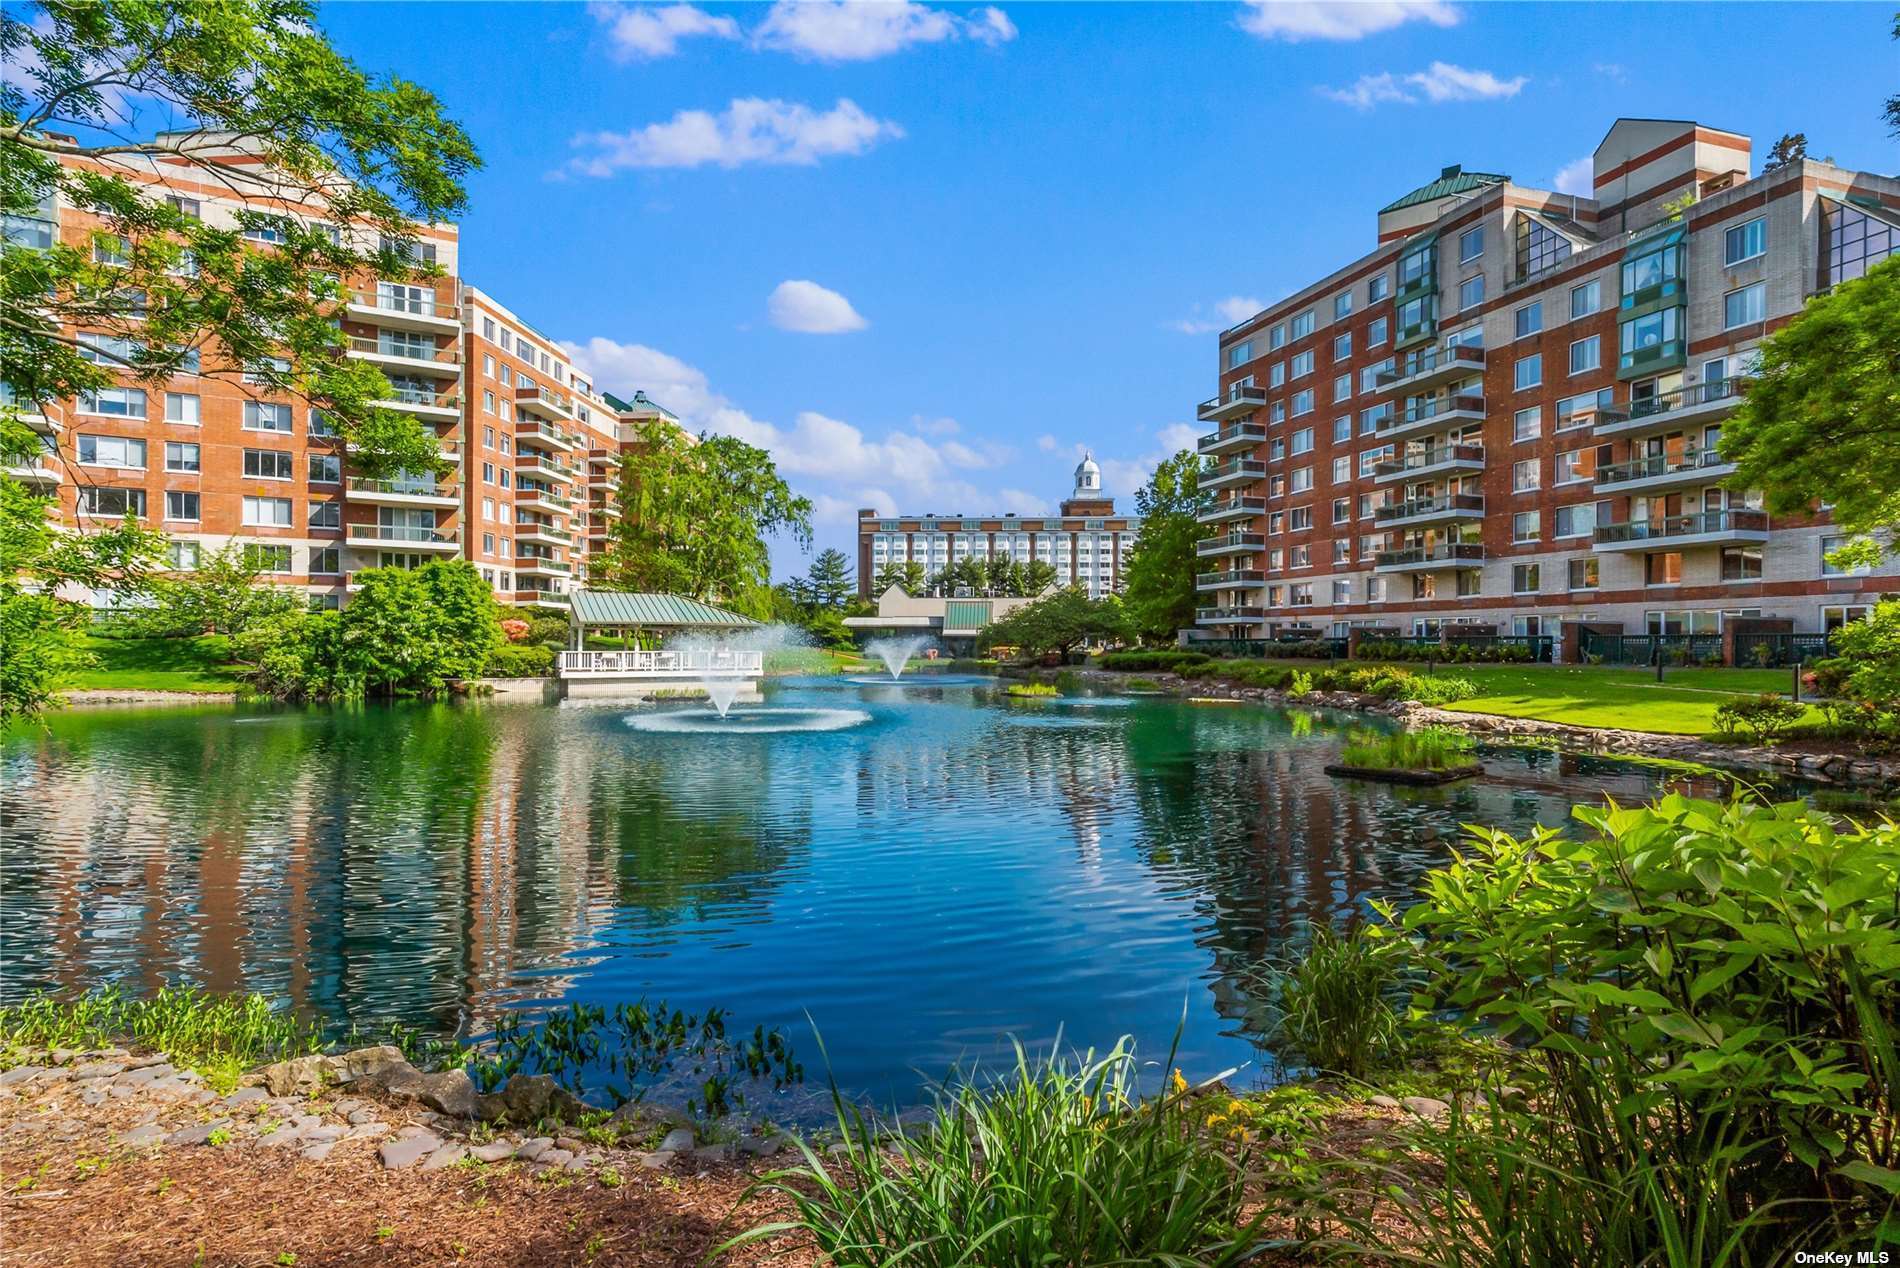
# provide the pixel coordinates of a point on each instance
(635, 615)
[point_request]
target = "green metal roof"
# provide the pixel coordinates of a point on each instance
(968, 615)
(1451, 182)
(640, 401)
(661, 611)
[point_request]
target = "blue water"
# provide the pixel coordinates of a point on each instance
(956, 869)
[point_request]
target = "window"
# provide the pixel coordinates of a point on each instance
(1585, 299)
(1276, 338)
(320, 424)
(1663, 568)
(1470, 245)
(1471, 292)
(326, 561)
(1741, 563)
(1576, 521)
(1342, 510)
(180, 505)
(1583, 574)
(1342, 429)
(1586, 354)
(1853, 241)
(326, 468)
(1530, 319)
(266, 416)
(180, 456)
(1342, 592)
(1240, 354)
(1525, 578)
(326, 514)
(1745, 306)
(1577, 411)
(1524, 475)
(265, 231)
(114, 402)
(267, 512)
(1276, 449)
(93, 500)
(1370, 459)
(109, 248)
(1525, 527)
(1303, 402)
(1539, 247)
(1303, 324)
(1828, 546)
(112, 451)
(1371, 420)
(1376, 333)
(183, 555)
(267, 464)
(1528, 372)
(182, 409)
(1378, 288)
(1415, 314)
(1342, 346)
(1300, 557)
(265, 558)
(1300, 594)
(1342, 469)
(111, 351)
(1575, 465)
(1303, 363)
(1745, 241)
(1276, 374)
(1303, 441)
(1527, 424)
(1302, 483)
(1276, 522)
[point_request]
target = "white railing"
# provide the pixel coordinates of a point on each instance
(663, 664)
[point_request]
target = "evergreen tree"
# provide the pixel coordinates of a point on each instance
(828, 582)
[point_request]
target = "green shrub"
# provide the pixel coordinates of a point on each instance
(1313, 649)
(1766, 717)
(1452, 653)
(1165, 662)
(520, 660)
(1057, 1163)
(1427, 749)
(1439, 689)
(1342, 1004)
(1702, 999)
(1037, 690)
(551, 630)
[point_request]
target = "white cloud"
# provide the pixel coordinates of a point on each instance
(1577, 177)
(641, 33)
(1046, 443)
(1179, 436)
(751, 130)
(934, 426)
(861, 30)
(811, 309)
(1440, 83)
(1238, 308)
(1231, 311)
(1295, 20)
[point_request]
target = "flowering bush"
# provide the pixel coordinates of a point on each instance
(514, 629)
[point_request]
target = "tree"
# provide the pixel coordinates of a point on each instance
(1159, 592)
(1791, 148)
(1037, 576)
(965, 574)
(1892, 111)
(160, 291)
(694, 516)
(222, 595)
(1821, 423)
(907, 576)
(1059, 622)
(828, 581)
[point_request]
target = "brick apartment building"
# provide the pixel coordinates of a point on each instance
(1085, 542)
(212, 461)
(1506, 412)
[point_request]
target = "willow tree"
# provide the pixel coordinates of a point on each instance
(695, 513)
(337, 169)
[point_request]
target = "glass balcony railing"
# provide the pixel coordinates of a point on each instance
(1437, 456)
(1455, 503)
(1689, 462)
(1448, 553)
(414, 488)
(404, 533)
(1694, 524)
(1689, 397)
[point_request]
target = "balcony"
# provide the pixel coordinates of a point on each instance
(40, 472)
(1240, 436)
(1230, 544)
(541, 566)
(1439, 558)
(407, 537)
(1233, 403)
(537, 467)
(543, 534)
(424, 314)
(401, 493)
(1660, 471)
(533, 497)
(1432, 416)
(393, 354)
(1233, 509)
(542, 436)
(41, 416)
(1449, 509)
(1239, 471)
(1700, 403)
(1434, 367)
(1228, 616)
(1234, 578)
(1435, 461)
(1676, 532)
(443, 407)
(544, 402)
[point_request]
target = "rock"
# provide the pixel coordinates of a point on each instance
(760, 1146)
(368, 1063)
(244, 1096)
(319, 1151)
(713, 1153)
(26, 1074)
(446, 1156)
(289, 1078)
(367, 1129)
(93, 1096)
(325, 1132)
(528, 1098)
(581, 1162)
(142, 1135)
(365, 1115)
(140, 1075)
(448, 1091)
(97, 1070)
(288, 1134)
(678, 1141)
(568, 1143)
(348, 1106)
(554, 1158)
(1383, 1102)
(150, 1058)
(1425, 1106)
(406, 1151)
(198, 1133)
(657, 1161)
(493, 1151)
(60, 1056)
(532, 1149)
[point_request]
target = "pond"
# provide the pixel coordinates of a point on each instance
(923, 870)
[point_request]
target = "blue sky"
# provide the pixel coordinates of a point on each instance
(1011, 232)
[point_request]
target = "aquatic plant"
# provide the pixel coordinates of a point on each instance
(1342, 1003)
(1032, 690)
(1430, 748)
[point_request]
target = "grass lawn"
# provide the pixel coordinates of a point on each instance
(811, 660)
(157, 664)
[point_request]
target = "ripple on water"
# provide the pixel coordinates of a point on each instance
(747, 721)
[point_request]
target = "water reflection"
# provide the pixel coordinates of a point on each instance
(956, 868)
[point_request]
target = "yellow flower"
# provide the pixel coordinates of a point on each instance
(1216, 1119)
(1180, 1084)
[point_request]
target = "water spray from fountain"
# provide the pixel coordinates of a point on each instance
(896, 652)
(724, 688)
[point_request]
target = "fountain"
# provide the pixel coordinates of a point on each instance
(746, 721)
(722, 692)
(896, 652)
